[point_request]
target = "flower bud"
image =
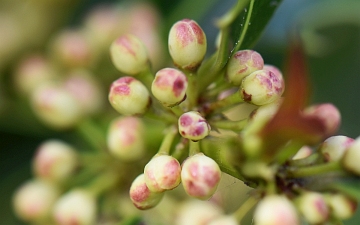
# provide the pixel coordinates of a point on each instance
(224, 220)
(313, 207)
(34, 199)
(75, 207)
(303, 152)
(129, 54)
(275, 210)
(262, 87)
(241, 64)
(129, 96)
(328, 114)
(200, 176)
(334, 147)
(86, 90)
(169, 86)
(193, 126)
(187, 44)
(342, 206)
(32, 71)
(194, 212)
(273, 69)
(55, 161)
(72, 49)
(351, 157)
(125, 138)
(55, 106)
(141, 196)
(162, 173)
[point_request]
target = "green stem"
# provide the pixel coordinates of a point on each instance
(245, 208)
(191, 91)
(230, 16)
(171, 132)
(92, 134)
(194, 148)
(314, 170)
(310, 160)
(230, 125)
(146, 77)
(288, 151)
(161, 115)
(102, 183)
(177, 110)
(180, 149)
(246, 26)
(225, 103)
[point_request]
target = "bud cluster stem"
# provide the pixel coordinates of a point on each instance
(92, 134)
(314, 170)
(165, 147)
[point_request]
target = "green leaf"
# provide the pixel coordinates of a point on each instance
(249, 24)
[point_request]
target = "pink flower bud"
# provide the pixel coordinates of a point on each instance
(129, 96)
(262, 87)
(187, 44)
(351, 157)
(141, 196)
(342, 206)
(195, 212)
(334, 147)
(273, 69)
(55, 161)
(125, 138)
(275, 210)
(224, 220)
(162, 173)
(72, 49)
(75, 207)
(129, 54)
(193, 126)
(313, 207)
(34, 199)
(241, 64)
(55, 106)
(329, 115)
(169, 86)
(86, 90)
(200, 176)
(32, 71)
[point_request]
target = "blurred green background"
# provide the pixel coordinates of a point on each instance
(330, 30)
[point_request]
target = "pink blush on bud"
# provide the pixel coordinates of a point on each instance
(141, 193)
(185, 120)
(122, 90)
(124, 42)
(178, 86)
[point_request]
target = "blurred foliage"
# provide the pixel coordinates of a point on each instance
(334, 73)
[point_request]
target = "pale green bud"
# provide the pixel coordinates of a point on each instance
(351, 157)
(129, 54)
(241, 64)
(334, 147)
(129, 96)
(313, 207)
(187, 44)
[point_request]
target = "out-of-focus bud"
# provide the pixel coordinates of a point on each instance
(71, 48)
(275, 210)
(328, 114)
(141, 196)
(241, 64)
(262, 87)
(351, 157)
(303, 152)
(86, 90)
(33, 200)
(313, 207)
(103, 24)
(169, 86)
(342, 206)
(129, 54)
(55, 161)
(193, 126)
(32, 71)
(78, 206)
(200, 176)
(125, 138)
(187, 44)
(129, 96)
(194, 212)
(334, 147)
(55, 106)
(162, 173)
